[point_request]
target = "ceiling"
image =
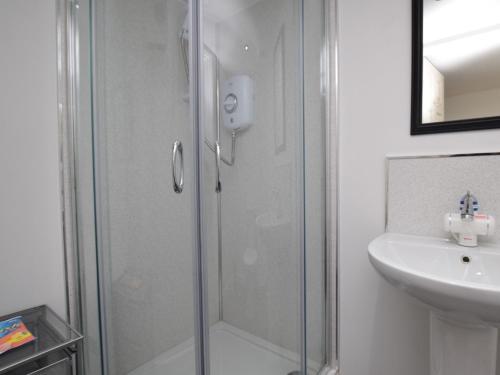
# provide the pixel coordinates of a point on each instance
(462, 40)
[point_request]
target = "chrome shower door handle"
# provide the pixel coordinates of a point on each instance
(178, 181)
(218, 186)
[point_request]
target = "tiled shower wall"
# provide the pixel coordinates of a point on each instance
(421, 190)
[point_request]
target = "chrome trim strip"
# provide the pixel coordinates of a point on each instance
(64, 127)
(201, 335)
(71, 15)
(332, 182)
(301, 189)
(100, 194)
(69, 106)
(325, 83)
(335, 363)
(388, 158)
(67, 37)
(436, 156)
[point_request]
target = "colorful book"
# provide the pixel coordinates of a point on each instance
(13, 333)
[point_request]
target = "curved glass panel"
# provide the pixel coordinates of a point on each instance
(273, 166)
(262, 173)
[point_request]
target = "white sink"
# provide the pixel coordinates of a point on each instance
(460, 285)
(436, 272)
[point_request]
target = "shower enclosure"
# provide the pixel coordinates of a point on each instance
(210, 175)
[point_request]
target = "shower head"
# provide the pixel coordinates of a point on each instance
(184, 45)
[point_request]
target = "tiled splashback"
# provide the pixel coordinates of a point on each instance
(420, 190)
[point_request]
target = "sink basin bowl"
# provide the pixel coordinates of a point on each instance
(452, 279)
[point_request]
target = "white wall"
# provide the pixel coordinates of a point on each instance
(472, 105)
(30, 220)
(382, 332)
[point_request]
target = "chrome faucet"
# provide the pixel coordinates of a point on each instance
(467, 225)
(468, 206)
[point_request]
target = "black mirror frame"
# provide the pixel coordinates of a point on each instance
(417, 127)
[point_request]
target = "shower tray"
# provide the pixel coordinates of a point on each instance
(233, 350)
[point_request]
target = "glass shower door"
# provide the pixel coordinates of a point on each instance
(145, 179)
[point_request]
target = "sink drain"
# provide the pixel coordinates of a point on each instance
(465, 259)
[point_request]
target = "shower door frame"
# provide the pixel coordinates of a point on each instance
(74, 116)
(200, 306)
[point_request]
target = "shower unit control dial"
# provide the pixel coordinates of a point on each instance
(238, 107)
(230, 103)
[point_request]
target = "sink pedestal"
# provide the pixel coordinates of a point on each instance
(461, 348)
(461, 288)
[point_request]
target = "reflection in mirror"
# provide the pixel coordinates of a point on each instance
(461, 60)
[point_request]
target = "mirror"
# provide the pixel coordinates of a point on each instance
(456, 65)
